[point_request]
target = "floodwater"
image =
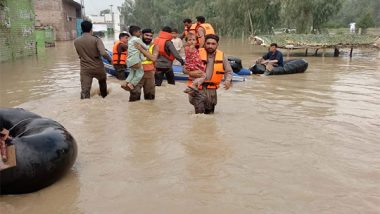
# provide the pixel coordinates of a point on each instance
(301, 143)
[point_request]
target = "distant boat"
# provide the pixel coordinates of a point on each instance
(177, 69)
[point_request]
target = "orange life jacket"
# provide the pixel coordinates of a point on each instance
(161, 40)
(119, 59)
(206, 26)
(218, 70)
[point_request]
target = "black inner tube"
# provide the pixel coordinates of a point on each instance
(45, 150)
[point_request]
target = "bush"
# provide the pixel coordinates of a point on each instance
(366, 21)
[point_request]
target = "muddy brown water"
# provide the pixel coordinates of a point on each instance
(301, 143)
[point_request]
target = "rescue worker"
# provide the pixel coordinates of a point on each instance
(187, 25)
(166, 56)
(217, 67)
(201, 29)
(147, 82)
(119, 55)
(90, 49)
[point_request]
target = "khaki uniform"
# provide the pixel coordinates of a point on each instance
(205, 100)
(148, 84)
(90, 49)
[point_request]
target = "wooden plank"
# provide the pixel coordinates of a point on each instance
(11, 162)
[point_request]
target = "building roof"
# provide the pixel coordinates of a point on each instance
(74, 3)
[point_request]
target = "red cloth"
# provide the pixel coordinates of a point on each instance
(193, 62)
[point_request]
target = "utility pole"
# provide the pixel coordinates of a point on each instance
(113, 22)
(83, 14)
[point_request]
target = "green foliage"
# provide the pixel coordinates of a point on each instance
(309, 15)
(231, 17)
(354, 10)
(234, 17)
(366, 21)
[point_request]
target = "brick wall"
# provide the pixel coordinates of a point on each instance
(60, 14)
(17, 33)
(70, 15)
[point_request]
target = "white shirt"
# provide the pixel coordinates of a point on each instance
(177, 42)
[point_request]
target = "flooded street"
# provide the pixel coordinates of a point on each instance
(300, 143)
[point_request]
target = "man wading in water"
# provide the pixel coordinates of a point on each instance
(90, 49)
(217, 67)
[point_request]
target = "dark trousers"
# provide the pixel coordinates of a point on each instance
(86, 77)
(120, 71)
(147, 84)
(164, 72)
(204, 101)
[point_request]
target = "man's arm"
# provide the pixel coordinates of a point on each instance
(170, 46)
(146, 53)
(201, 37)
(142, 44)
(227, 73)
(102, 50)
(122, 47)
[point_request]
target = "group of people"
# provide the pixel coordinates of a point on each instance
(150, 60)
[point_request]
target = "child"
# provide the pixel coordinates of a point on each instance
(193, 62)
(134, 59)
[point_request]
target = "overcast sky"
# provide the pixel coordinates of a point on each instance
(93, 7)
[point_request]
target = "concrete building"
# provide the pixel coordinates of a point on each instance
(62, 15)
(17, 32)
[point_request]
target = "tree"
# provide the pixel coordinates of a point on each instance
(309, 14)
(365, 22)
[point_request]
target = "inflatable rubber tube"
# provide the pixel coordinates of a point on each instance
(290, 67)
(45, 150)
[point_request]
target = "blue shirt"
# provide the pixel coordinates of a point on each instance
(276, 55)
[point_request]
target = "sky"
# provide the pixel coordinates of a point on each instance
(93, 7)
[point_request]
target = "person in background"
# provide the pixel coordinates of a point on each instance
(166, 56)
(90, 49)
(187, 23)
(134, 59)
(217, 67)
(119, 55)
(201, 29)
(272, 59)
(177, 42)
